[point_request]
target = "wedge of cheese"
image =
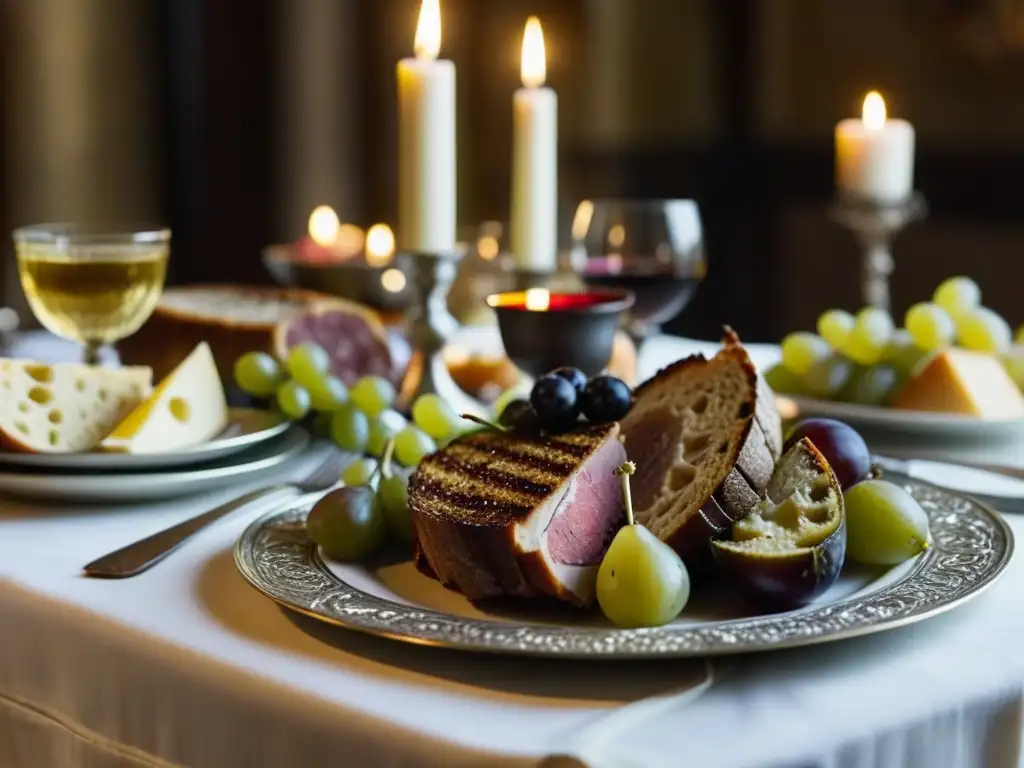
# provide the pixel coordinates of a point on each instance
(65, 407)
(964, 382)
(186, 409)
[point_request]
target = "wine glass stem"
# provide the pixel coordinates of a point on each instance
(91, 353)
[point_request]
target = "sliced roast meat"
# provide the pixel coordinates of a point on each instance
(502, 514)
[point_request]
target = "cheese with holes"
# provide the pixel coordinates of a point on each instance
(65, 407)
(965, 382)
(186, 409)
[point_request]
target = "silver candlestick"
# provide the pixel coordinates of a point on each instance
(875, 226)
(428, 322)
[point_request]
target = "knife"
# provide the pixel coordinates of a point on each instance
(1007, 504)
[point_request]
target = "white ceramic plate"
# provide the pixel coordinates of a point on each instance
(247, 428)
(922, 424)
(972, 546)
(105, 487)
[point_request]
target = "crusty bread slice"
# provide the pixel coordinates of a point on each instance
(65, 407)
(705, 436)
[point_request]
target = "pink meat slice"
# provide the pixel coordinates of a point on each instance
(581, 530)
(355, 350)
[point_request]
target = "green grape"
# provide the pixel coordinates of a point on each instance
(328, 394)
(347, 524)
(903, 354)
(835, 326)
(801, 349)
(783, 381)
(372, 395)
(394, 498)
(641, 582)
(1019, 338)
(930, 326)
(382, 429)
(827, 376)
(870, 336)
(257, 374)
(350, 429)
(411, 445)
(885, 525)
(870, 385)
(361, 472)
(435, 417)
(984, 331)
(957, 295)
(1013, 361)
(293, 400)
(308, 363)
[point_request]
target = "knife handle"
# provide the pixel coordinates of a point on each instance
(142, 555)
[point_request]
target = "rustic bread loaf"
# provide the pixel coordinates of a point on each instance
(705, 437)
(233, 320)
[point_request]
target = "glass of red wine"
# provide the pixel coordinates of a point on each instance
(654, 248)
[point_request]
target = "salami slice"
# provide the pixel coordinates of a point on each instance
(355, 342)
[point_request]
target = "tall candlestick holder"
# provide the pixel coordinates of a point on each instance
(428, 325)
(875, 226)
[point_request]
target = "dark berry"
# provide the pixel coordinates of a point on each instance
(574, 376)
(606, 398)
(555, 402)
(518, 415)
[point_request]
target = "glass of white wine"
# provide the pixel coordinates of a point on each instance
(88, 285)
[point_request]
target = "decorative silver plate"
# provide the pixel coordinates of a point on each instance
(971, 548)
(247, 428)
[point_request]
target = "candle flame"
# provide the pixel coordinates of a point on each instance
(534, 66)
(393, 280)
(323, 225)
(380, 245)
(488, 247)
(427, 44)
(538, 299)
(873, 113)
(581, 221)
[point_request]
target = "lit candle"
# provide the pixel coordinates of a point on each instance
(380, 245)
(534, 218)
(875, 155)
(426, 141)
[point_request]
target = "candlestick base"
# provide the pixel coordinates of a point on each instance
(428, 324)
(875, 226)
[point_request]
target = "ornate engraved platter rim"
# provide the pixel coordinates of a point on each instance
(972, 547)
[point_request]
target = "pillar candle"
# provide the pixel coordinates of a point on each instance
(875, 155)
(426, 142)
(534, 217)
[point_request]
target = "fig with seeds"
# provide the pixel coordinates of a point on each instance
(791, 548)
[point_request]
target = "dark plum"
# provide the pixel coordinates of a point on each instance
(840, 444)
(574, 376)
(555, 402)
(606, 398)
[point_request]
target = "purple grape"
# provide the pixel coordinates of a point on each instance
(606, 398)
(555, 402)
(574, 376)
(843, 448)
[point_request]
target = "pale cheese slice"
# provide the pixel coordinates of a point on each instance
(964, 382)
(187, 408)
(65, 407)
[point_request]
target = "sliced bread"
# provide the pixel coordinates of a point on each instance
(65, 407)
(705, 437)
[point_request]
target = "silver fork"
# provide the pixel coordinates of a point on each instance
(142, 555)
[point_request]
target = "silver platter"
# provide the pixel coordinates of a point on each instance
(247, 428)
(971, 548)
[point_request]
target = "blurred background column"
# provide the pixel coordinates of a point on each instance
(80, 108)
(320, 158)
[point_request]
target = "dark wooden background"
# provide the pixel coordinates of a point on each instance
(246, 119)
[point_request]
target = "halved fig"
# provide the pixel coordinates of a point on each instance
(790, 549)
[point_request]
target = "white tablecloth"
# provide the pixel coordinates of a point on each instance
(187, 665)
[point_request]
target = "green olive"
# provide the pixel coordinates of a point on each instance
(347, 524)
